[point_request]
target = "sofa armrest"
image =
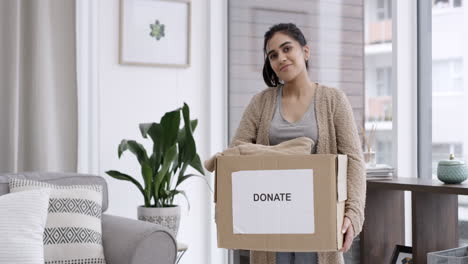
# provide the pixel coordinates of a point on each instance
(128, 241)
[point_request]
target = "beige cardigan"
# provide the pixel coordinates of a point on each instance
(337, 134)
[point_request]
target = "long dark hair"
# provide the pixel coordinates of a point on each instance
(290, 29)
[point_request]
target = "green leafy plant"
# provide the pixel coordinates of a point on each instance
(174, 150)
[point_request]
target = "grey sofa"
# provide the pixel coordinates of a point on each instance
(125, 241)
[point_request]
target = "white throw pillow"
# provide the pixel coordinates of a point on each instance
(73, 233)
(22, 221)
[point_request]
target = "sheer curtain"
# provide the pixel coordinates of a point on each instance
(38, 97)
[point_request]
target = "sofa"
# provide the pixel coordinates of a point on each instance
(125, 241)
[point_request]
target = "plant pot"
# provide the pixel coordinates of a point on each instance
(168, 217)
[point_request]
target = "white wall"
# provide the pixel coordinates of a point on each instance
(129, 95)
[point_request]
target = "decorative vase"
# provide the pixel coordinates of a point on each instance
(452, 171)
(369, 159)
(168, 217)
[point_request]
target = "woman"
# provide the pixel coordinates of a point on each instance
(294, 106)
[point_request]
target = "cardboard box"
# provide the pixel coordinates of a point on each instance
(284, 203)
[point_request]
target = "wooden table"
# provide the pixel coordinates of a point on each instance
(434, 218)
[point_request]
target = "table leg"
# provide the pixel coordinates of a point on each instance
(180, 255)
(435, 223)
(384, 225)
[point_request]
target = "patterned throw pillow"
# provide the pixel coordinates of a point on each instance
(73, 229)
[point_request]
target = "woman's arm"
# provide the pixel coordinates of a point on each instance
(248, 126)
(245, 133)
(349, 143)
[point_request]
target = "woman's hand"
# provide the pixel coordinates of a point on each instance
(348, 232)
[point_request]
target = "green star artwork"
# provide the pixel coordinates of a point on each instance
(157, 30)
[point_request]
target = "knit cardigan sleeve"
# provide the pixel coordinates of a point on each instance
(348, 142)
(248, 127)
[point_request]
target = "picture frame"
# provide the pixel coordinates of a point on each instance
(402, 255)
(155, 33)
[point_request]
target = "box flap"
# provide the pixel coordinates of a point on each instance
(342, 177)
(216, 186)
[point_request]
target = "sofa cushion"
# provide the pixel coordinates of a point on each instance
(73, 233)
(22, 221)
(56, 178)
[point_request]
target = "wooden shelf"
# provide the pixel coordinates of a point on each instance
(419, 185)
(434, 218)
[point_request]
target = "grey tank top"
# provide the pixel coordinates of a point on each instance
(282, 130)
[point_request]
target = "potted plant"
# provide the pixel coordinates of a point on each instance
(174, 150)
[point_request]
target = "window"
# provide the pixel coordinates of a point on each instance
(449, 92)
(384, 9)
(378, 21)
(447, 76)
(440, 4)
(384, 81)
(378, 76)
(449, 95)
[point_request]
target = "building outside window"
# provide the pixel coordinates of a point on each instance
(384, 10)
(450, 91)
(384, 81)
(447, 76)
(378, 75)
(437, 4)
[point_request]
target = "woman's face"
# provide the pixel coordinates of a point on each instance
(287, 57)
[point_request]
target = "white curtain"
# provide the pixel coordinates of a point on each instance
(38, 98)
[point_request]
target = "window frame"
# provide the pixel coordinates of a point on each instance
(424, 75)
(404, 96)
(404, 91)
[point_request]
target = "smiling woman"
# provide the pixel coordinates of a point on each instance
(289, 44)
(294, 106)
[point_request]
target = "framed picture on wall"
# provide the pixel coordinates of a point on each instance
(155, 32)
(402, 255)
